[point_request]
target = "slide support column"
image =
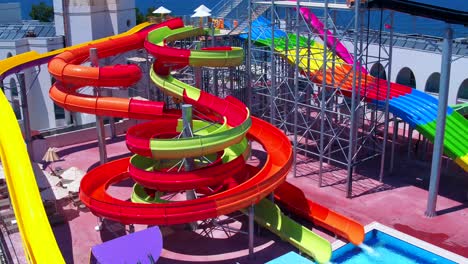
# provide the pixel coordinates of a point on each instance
(24, 107)
(323, 97)
(251, 231)
(99, 119)
(188, 162)
(441, 118)
(352, 134)
(387, 106)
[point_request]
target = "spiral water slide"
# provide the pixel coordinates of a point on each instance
(38, 239)
(149, 141)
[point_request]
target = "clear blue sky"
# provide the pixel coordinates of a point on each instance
(144, 4)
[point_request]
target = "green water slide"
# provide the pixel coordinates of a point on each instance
(269, 215)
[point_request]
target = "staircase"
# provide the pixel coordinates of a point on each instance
(7, 216)
(256, 12)
(223, 8)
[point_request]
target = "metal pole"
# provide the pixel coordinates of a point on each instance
(24, 107)
(187, 132)
(251, 231)
(273, 66)
(441, 118)
(394, 140)
(249, 58)
(323, 97)
(113, 131)
(387, 105)
(410, 141)
(296, 87)
(352, 139)
(188, 162)
(101, 132)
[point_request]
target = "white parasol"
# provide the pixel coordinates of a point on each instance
(162, 10)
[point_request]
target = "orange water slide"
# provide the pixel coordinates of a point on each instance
(71, 76)
(294, 200)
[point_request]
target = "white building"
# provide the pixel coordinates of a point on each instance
(86, 20)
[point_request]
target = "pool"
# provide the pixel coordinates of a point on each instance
(381, 247)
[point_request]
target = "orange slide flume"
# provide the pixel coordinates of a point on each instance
(295, 201)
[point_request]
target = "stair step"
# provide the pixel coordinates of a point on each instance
(5, 203)
(12, 229)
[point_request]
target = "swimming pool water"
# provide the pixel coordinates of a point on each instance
(380, 247)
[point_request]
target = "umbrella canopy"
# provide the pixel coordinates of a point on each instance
(51, 155)
(201, 13)
(202, 8)
(162, 10)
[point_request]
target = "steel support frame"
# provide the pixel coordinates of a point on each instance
(320, 126)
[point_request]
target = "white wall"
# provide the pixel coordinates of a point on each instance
(93, 19)
(38, 83)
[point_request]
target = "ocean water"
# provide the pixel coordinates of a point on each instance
(403, 23)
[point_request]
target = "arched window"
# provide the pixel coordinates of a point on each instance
(9, 54)
(462, 95)
(15, 100)
(406, 77)
(13, 87)
(433, 83)
(59, 112)
(378, 71)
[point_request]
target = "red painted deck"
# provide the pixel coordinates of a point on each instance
(399, 202)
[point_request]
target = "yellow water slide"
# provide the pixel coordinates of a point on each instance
(38, 239)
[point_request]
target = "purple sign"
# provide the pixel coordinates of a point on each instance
(140, 247)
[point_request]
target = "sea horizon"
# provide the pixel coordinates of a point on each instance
(404, 23)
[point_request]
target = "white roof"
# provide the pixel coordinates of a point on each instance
(162, 10)
(201, 13)
(202, 7)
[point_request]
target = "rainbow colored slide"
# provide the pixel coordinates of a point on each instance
(413, 106)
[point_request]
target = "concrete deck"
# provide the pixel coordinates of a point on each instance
(398, 202)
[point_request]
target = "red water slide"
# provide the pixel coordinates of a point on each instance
(279, 158)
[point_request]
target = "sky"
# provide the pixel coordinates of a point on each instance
(144, 4)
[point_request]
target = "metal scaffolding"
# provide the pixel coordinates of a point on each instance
(329, 126)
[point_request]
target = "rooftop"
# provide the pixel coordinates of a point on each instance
(29, 28)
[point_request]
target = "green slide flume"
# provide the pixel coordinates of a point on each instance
(269, 215)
